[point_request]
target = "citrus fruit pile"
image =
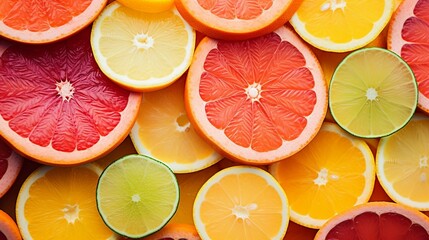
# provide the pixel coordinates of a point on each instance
(194, 119)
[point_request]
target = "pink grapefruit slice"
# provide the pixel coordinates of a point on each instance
(57, 107)
(10, 166)
(258, 100)
(8, 228)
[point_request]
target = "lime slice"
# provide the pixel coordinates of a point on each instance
(373, 93)
(137, 195)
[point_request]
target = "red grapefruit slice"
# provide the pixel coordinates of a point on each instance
(8, 228)
(10, 166)
(258, 100)
(56, 105)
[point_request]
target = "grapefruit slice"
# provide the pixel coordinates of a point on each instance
(10, 166)
(235, 19)
(407, 37)
(376, 220)
(8, 228)
(175, 231)
(46, 21)
(258, 100)
(56, 105)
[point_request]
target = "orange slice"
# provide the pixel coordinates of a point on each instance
(10, 166)
(149, 6)
(236, 19)
(376, 220)
(8, 228)
(46, 21)
(57, 107)
(241, 202)
(407, 37)
(334, 172)
(259, 100)
(175, 231)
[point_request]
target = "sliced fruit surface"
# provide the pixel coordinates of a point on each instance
(46, 21)
(175, 231)
(163, 131)
(142, 51)
(407, 37)
(341, 25)
(373, 93)
(376, 220)
(235, 19)
(148, 6)
(8, 228)
(334, 172)
(10, 166)
(241, 202)
(57, 107)
(59, 202)
(137, 195)
(257, 101)
(402, 164)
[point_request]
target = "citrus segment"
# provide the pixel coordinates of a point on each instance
(340, 25)
(334, 172)
(8, 228)
(402, 164)
(241, 203)
(149, 6)
(376, 220)
(46, 21)
(407, 37)
(162, 131)
(142, 51)
(10, 166)
(373, 93)
(59, 202)
(137, 195)
(175, 231)
(257, 100)
(57, 106)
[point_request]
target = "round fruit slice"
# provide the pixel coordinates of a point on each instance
(237, 20)
(46, 21)
(175, 231)
(241, 202)
(137, 195)
(148, 6)
(376, 220)
(373, 93)
(340, 25)
(258, 100)
(142, 51)
(407, 37)
(10, 166)
(402, 164)
(163, 131)
(59, 202)
(334, 172)
(57, 107)
(8, 228)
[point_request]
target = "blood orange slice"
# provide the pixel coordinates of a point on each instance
(56, 105)
(258, 100)
(10, 166)
(45, 21)
(407, 36)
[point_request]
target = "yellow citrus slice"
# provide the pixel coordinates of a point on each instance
(402, 164)
(334, 172)
(241, 202)
(149, 6)
(162, 130)
(340, 25)
(142, 51)
(59, 202)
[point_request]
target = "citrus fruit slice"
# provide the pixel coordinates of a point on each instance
(376, 220)
(8, 228)
(46, 21)
(137, 195)
(57, 107)
(340, 25)
(334, 172)
(237, 20)
(407, 37)
(10, 166)
(162, 131)
(373, 93)
(241, 202)
(258, 100)
(175, 231)
(142, 51)
(149, 6)
(59, 202)
(402, 164)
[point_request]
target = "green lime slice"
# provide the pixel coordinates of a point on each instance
(372, 93)
(137, 195)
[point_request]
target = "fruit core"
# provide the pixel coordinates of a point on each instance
(251, 9)
(135, 198)
(243, 212)
(333, 5)
(71, 213)
(323, 177)
(254, 92)
(371, 94)
(65, 89)
(182, 123)
(143, 41)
